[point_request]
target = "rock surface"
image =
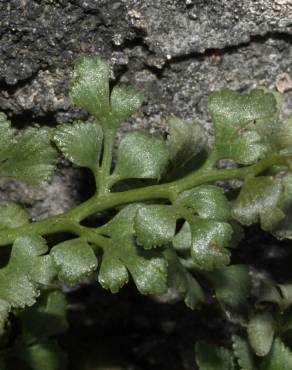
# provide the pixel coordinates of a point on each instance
(177, 51)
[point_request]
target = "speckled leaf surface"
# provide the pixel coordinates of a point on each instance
(125, 100)
(279, 358)
(141, 155)
(207, 201)
(32, 158)
(260, 201)
(261, 328)
(232, 286)
(209, 241)
(74, 260)
(90, 87)
(155, 225)
(18, 280)
(80, 143)
(12, 215)
(244, 354)
(185, 140)
(123, 257)
(182, 280)
(243, 123)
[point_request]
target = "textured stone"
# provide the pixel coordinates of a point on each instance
(177, 28)
(176, 51)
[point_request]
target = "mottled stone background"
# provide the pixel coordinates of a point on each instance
(177, 51)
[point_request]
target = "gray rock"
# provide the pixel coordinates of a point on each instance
(180, 27)
(177, 51)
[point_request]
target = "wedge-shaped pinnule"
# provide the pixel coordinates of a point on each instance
(243, 352)
(232, 286)
(182, 280)
(81, 143)
(279, 357)
(261, 329)
(31, 158)
(12, 215)
(182, 241)
(260, 200)
(244, 124)
(207, 201)
(20, 279)
(210, 357)
(46, 318)
(185, 140)
(90, 91)
(125, 100)
(155, 225)
(45, 354)
(90, 87)
(209, 240)
(205, 238)
(123, 257)
(74, 260)
(141, 155)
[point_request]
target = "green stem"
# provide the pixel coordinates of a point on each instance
(211, 160)
(104, 173)
(70, 221)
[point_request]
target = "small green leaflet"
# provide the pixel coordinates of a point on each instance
(246, 359)
(44, 271)
(183, 239)
(243, 123)
(74, 259)
(155, 225)
(260, 331)
(31, 159)
(232, 286)
(260, 200)
(149, 270)
(141, 155)
(185, 140)
(207, 201)
(18, 280)
(210, 357)
(81, 143)
(90, 86)
(90, 91)
(125, 100)
(182, 280)
(209, 241)
(45, 355)
(279, 358)
(122, 256)
(12, 215)
(45, 318)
